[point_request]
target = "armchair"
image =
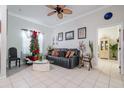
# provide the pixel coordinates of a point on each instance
(13, 56)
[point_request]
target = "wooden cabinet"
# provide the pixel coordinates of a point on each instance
(104, 48)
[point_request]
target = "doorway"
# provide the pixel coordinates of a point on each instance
(108, 47)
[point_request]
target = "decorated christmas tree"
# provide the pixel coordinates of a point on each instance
(34, 46)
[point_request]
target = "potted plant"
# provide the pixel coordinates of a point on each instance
(114, 49)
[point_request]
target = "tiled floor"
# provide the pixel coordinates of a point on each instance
(106, 74)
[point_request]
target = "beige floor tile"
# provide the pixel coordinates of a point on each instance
(48, 82)
(5, 84)
(63, 81)
(20, 84)
(101, 85)
(106, 74)
(71, 85)
(115, 85)
(38, 85)
(55, 85)
(86, 85)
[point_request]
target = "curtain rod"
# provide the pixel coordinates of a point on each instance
(30, 30)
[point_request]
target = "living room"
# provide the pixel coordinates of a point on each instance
(75, 30)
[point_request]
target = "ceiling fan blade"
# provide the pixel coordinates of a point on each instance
(51, 13)
(67, 11)
(51, 6)
(61, 6)
(60, 15)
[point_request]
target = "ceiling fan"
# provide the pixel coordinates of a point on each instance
(59, 9)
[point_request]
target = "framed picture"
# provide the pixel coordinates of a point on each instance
(69, 35)
(82, 33)
(60, 36)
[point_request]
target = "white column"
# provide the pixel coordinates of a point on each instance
(3, 16)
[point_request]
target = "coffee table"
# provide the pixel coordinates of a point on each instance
(43, 65)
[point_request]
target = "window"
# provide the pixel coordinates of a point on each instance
(26, 38)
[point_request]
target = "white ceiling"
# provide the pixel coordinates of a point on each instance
(38, 13)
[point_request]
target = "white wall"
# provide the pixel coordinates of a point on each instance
(14, 34)
(92, 22)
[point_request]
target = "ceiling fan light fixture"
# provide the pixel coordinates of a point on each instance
(60, 15)
(60, 10)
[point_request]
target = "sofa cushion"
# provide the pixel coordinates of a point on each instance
(62, 53)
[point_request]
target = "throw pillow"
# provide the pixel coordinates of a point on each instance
(71, 54)
(57, 53)
(53, 53)
(68, 53)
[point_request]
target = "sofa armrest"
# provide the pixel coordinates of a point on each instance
(74, 61)
(74, 58)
